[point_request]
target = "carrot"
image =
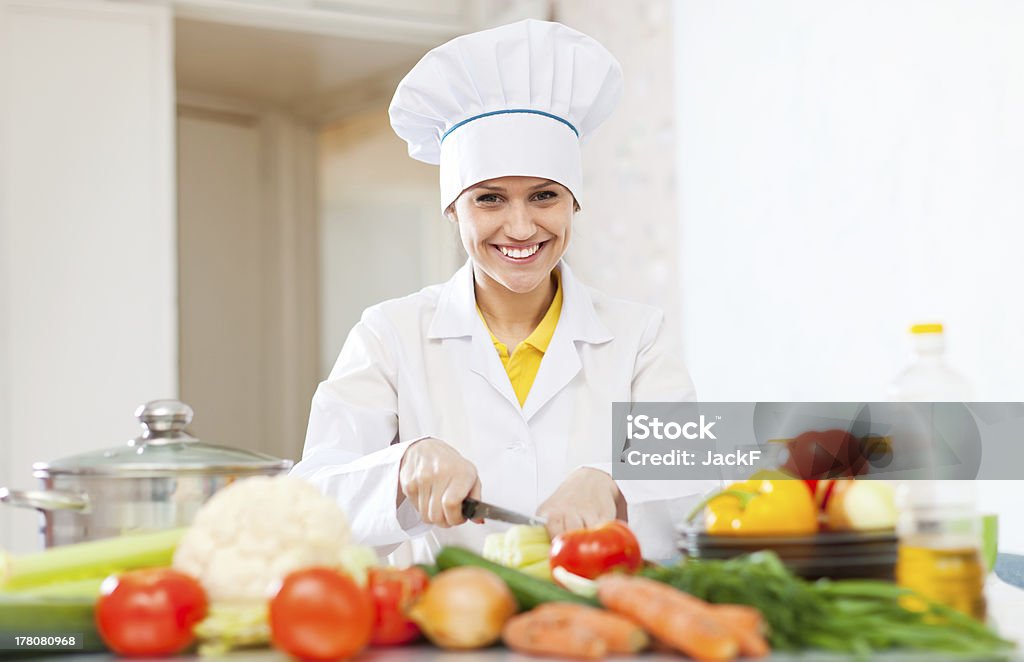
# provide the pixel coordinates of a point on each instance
(746, 625)
(748, 617)
(537, 634)
(620, 634)
(676, 618)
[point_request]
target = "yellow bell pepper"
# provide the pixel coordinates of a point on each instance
(761, 508)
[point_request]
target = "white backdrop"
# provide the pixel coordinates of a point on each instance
(846, 169)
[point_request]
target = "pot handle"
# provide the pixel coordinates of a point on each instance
(44, 499)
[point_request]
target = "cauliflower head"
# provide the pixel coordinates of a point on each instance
(252, 533)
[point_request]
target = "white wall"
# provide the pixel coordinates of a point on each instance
(625, 238)
(382, 234)
(846, 169)
(87, 242)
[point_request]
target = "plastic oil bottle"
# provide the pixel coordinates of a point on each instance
(940, 531)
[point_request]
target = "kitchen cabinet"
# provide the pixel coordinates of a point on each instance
(88, 316)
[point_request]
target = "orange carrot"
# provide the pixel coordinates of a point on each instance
(537, 634)
(676, 618)
(620, 634)
(748, 617)
(746, 625)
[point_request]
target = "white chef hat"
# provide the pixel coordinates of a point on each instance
(513, 100)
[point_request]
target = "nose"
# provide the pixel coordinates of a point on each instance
(519, 224)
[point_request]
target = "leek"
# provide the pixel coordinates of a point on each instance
(88, 560)
(77, 588)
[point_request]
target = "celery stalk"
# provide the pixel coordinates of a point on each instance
(541, 570)
(78, 588)
(522, 534)
(96, 558)
(494, 543)
(518, 556)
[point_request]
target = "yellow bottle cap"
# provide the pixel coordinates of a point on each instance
(926, 328)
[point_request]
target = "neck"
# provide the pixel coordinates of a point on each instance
(512, 312)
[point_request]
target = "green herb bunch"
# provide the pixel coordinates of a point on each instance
(850, 616)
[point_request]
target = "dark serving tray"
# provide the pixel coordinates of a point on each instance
(833, 554)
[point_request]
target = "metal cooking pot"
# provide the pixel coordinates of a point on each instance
(156, 481)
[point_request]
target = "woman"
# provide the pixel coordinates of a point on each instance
(498, 384)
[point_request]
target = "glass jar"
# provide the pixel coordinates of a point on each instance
(941, 558)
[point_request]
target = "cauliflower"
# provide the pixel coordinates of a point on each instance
(252, 533)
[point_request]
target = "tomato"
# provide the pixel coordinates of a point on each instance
(393, 591)
(593, 552)
(149, 612)
(321, 614)
(821, 454)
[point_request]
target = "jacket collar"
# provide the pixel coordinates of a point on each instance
(456, 315)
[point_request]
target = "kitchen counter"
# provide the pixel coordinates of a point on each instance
(1006, 608)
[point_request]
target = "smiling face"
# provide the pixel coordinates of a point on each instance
(516, 229)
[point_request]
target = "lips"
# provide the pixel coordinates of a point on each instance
(522, 254)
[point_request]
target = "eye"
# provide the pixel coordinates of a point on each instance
(545, 195)
(487, 198)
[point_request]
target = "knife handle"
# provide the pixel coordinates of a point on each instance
(469, 505)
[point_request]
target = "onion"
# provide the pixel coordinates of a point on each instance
(861, 505)
(464, 608)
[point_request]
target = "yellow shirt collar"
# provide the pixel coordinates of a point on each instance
(540, 337)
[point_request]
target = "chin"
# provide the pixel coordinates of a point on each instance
(522, 283)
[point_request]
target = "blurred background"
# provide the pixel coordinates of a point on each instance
(199, 197)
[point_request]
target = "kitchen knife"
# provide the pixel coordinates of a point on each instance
(473, 509)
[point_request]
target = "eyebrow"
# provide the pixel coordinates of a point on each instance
(501, 189)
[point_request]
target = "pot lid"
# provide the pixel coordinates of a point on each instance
(165, 447)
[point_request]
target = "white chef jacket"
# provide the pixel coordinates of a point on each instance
(425, 366)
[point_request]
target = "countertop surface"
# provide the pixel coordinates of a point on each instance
(1006, 608)
(1005, 603)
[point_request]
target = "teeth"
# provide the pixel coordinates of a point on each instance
(519, 253)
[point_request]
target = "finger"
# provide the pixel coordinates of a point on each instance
(572, 521)
(426, 498)
(437, 507)
(604, 513)
(466, 485)
(603, 518)
(406, 480)
(555, 525)
(423, 506)
(411, 490)
(451, 502)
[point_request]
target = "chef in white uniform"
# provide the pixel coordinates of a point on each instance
(499, 383)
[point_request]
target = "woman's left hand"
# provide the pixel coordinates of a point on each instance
(587, 498)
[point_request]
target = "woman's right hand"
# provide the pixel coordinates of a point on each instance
(436, 478)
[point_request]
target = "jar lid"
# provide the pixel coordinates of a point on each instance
(164, 448)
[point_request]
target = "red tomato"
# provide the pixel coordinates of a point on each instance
(393, 591)
(819, 454)
(593, 552)
(320, 614)
(149, 612)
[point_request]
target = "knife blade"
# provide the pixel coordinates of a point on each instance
(473, 509)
